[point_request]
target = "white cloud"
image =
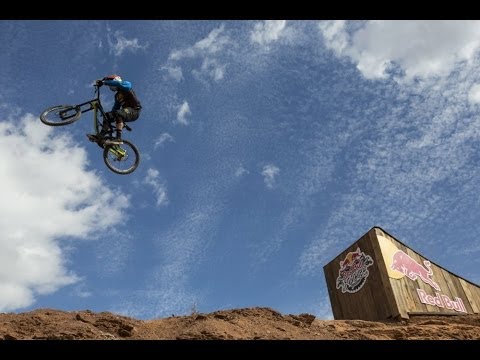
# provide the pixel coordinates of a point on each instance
(182, 113)
(269, 172)
(164, 137)
(334, 35)
(80, 290)
(241, 171)
(212, 44)
(209, 50)
(47, 194)
(421, 48)
(413, 168)
(123, 44)
(212, 68)
(175, 72)
(474, 94)
(268, 31)
(159, 188)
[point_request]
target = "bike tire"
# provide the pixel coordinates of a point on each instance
(122, 165)
(60, 115)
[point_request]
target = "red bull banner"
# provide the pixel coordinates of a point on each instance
(441, 300)
(400, 264)
(353, 272)
(408, 266)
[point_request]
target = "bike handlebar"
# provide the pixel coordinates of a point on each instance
(97, 90)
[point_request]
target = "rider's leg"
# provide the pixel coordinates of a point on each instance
(119, 126)
(122, 115)
(107, 126)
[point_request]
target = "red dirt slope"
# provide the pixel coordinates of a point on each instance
(248, 323)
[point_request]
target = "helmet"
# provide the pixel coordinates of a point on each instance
(113, 77)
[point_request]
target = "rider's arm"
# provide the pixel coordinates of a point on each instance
(116, 105)
(122, 85)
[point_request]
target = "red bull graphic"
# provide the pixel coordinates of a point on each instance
(405, 264)
(353, 271)
(441, 300)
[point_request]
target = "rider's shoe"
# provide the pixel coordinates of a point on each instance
(93, 137)
(113, 142)
(97, 139)
(105, 132)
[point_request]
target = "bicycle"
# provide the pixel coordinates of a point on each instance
(122, 158)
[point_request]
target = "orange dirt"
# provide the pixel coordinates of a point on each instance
(236, 324)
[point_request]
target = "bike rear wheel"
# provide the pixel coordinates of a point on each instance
(60, 115)
(121, 159)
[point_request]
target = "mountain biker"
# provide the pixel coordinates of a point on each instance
(126, 107)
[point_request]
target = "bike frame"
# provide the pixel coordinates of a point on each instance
(113, 150)
(95, 105)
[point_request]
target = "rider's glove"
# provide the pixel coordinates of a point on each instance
(99, 83)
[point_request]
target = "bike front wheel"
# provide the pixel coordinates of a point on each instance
(121, 159)
(60, 115)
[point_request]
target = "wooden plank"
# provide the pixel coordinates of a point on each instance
(395, 283)
(447, 286)
(400, 292)
(410, 286)
(369, 302)
(332, 291)
(411, 296)
(475, 292)
(451, 313)
(470, 296)
(341, 304)
(375, 286)
(400, 295)
(456, 290)
(427, 288)
(358, 305)
(386, 282)
(442, 277)
(402, 288)
(448, 283)
(336, 297)
(389, 294)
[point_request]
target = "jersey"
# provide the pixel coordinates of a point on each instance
(125, 95)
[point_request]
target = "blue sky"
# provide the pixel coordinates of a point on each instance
(268, 147)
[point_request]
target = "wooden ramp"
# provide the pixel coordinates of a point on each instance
(379, 278)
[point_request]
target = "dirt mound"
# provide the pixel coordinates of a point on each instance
(236, 324)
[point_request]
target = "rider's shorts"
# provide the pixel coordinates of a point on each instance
(128, 114)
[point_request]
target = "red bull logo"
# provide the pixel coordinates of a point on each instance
(441, 300)
(408, 266)
(353, 271)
